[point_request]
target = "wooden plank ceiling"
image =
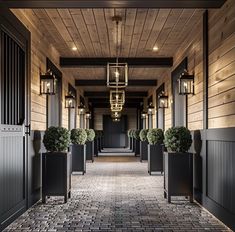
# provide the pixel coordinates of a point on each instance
(92, 32)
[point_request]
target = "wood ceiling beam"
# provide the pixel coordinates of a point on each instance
(107, 105)
(143, 82)
(105, 94)
(72, 62)
(112, 3)
(106, 100)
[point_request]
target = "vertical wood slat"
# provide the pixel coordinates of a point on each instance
(12, 82)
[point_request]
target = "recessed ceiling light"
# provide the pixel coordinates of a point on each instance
(155, 48)
(74, 48)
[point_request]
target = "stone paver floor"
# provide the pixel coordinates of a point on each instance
(116, 196)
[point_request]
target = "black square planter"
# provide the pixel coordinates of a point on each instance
(90, 151)
(96, 146)
(143, 150)
(155, 158)
(56, 175)
(78, 158)
(178, 175)
(137, 147)
(131, 143)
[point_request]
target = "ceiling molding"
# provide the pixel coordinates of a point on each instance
(143, 82)
(112, 3)
(67, 62)
(105, 94)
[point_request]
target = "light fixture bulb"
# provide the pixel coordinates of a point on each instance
(155, 48)
(74, 48)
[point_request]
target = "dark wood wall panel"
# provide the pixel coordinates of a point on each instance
(221, 173)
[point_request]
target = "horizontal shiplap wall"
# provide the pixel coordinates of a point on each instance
(40, 49)
(221, 91)
(222, 66)
(99, 112)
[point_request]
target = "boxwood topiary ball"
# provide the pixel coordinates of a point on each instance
(56, 139)
(178, 139)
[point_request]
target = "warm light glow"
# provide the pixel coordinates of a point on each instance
(155, 48)
(74, 48)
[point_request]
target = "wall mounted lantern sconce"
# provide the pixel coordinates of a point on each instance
(144, 115)
(81, 109)
(70, 101)
(88, 115)
(162, 101)
(48, 83)
(186, 83)
(150, 109)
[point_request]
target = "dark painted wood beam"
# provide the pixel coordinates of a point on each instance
(112, 3)
(72, 62)
(105, 94)
(143, 82)
(106, 100)
(107, 105)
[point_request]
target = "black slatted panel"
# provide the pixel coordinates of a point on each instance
(12, 88)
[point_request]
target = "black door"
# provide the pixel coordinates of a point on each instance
(114, 132)
(13, 118)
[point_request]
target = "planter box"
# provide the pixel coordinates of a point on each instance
(56, 175)
(96, 146)
(90, 151)
(131, 143)
(143, 150)
(178, 175)
(137, 147)
(78, 158)
(155, 158)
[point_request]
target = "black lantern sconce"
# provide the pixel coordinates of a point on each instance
(70, 101)
(88, 115)
(48, 83)
(81, 109)
(144, 115)
(186, 83)
(150, 109)
(162, 101)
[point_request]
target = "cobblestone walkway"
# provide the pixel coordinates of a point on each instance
(116, 196)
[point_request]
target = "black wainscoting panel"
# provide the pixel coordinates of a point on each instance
(221, 173)
(214, 172)
(36, 148)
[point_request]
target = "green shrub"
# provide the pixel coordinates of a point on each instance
(136, 134)
(143, 135)
(178, 139)
(56, 139)
(155, 136)
(90, 135)
(78, 136)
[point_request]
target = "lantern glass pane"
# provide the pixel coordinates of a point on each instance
(117, 96)
(48, 84)
(186, 85)
(117, 75)
(81, 110)
(70, 102)
(163, 102)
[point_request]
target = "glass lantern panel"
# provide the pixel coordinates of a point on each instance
(117, 75)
